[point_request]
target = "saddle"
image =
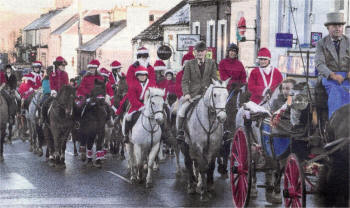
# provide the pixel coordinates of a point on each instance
(45, 109)
(130, 124)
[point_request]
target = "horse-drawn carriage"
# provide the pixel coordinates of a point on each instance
(257, 146)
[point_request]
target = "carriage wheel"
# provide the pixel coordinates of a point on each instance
(294, 183)
(240, 169)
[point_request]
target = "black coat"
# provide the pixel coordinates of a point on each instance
(11, 81)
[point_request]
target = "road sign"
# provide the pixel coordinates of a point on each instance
(184, 41)
(164, 52)
(315, 36)
(284, 40)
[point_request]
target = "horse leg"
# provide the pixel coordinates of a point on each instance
(151, 158)
(99, 151)
(138, 162)
(2, 137)
(189, 167)
(131, 162)
(177, 157)
(10, 133)
(89, 153)
(210, 176)
(74, 140)
(82, 149)
(40, 134)
(63, 151)
(161, 155)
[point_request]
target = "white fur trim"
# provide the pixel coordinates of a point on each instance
(159, 68)
(169, 71)
(36, 64)
(31, 79)
(264, 57)
(116, 67)
(142, 51)
(141, 72)
(264, 92)
(92, 66)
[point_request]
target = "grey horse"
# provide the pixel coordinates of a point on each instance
(3, 121)
(203, 138)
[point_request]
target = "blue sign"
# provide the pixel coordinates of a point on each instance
(284, 40)
(315, 36)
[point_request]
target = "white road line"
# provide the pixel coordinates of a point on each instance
(119, 176)
(19, 153)
(14, 181)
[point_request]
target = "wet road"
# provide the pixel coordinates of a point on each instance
(27, 180)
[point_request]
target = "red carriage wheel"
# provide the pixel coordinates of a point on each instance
(294, 183)
(240, 169)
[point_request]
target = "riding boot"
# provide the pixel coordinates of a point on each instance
(180, 132)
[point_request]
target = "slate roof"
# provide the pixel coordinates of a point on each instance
(43, 21)
(182, 16)
(155, 32)
(103, 37)
(65, 26)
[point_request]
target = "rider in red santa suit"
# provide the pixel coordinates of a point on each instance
(114, 78)
(168, 83)
(264, 79)
(58, 77)
(178, 88)
(109, 91)
(34, 78)
(142, 60)
(159, 68)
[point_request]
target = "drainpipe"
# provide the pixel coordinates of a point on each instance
(257, 29)
(216, 26)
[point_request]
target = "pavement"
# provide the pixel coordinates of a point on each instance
(27, 180)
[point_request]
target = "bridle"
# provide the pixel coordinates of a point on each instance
(213, 109)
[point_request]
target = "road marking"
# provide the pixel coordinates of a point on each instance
(119, 176)
(19, 153)
(15, 181)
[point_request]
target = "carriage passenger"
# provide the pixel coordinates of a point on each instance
(178, 89)
(264, 79)
(136, 95)
(231, 67)
(332, 60)
(198, 75)
(142, 60)
(58, 77)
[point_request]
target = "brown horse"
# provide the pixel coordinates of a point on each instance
(3, 121)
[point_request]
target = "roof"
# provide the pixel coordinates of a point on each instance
(65, 26)
(103, 37)
(154, 31)
(181, 16)
(43, 21)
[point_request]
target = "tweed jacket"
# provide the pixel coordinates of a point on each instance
(192, 83)
(327, 59)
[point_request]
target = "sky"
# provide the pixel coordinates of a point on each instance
(32, 6)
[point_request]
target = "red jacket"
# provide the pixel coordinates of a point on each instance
(168, 85)
(34, 80)
(88, 83)
(114, 79)
(25, 90)
(130, 75)
(232, 68)
(178, 87)
(58, 79)
(136, 94)
(2, 78)
(256, 84)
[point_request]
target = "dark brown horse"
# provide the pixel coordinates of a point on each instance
(3, 122)
(59, 125)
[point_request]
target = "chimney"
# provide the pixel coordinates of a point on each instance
(104, 19)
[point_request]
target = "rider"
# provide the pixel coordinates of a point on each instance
(114, 79)
(109, 91)
(25, 90)
(45, 84)
(195, 82)
(58, 77)
(333, 62)
(143, 60)
(9, 79)
(88, 83)
(159, 68)
(231, 67)
(168, 83)
(178, 89)
(34, 78)
(264, 79)
(136, 94)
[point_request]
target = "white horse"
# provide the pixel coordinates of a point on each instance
(204, 136)
(32, 116)
(145, 136)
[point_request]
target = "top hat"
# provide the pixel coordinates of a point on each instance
(335, 18)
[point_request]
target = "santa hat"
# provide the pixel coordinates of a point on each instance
(142, 50)
(169, 71)
(187, 57)
(116, 65)
(93, 64)
(104, 72)
(141, 71)
(159, 65)
(264, 53)
(37, 64)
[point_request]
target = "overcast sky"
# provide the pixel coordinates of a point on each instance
(31, 6)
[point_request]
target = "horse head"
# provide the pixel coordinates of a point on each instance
(120, 90)
(154, 104)
(99, 91)
(215, 98)
(65, 99)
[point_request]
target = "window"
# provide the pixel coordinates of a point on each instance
(211, 36)
(222, 39)
(196, 28)
(211, 33)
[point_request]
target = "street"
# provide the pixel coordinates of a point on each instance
(27, 179)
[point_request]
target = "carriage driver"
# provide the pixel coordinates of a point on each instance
(198, 75)
(332, 60)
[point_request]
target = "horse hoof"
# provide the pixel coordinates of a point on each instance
(191, 190)
(75, 153)
(89, 163)
(132, 180)
(98, 164)
(1, 159)
(40, 152)
(149, 185)
(51, 163)
(83, 157)
(122, 157)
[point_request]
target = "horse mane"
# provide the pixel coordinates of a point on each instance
(153, 91)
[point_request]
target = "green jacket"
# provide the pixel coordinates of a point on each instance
(192, 83)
